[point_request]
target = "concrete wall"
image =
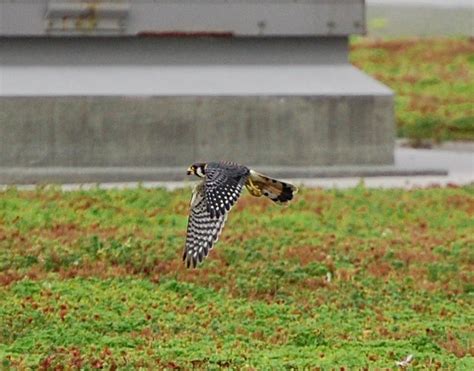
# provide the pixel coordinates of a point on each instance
(104, 104)
(176, 131)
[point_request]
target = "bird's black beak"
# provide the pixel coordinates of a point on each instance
(189, 171)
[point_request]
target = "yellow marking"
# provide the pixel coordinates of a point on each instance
(253, 189)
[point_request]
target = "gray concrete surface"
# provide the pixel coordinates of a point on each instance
(59, 175)
(175, 66)
(446, 168)
(159, 103)
(217, 80)
(413, 168)
(166, 67)
(176, 131)
(124, 103)
(457, 162)
(457, 146)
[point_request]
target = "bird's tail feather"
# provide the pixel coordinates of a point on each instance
(274, 189)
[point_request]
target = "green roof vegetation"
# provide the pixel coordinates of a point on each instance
(358, 279)
(433, 80)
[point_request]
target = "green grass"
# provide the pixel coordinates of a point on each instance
(433, 80)
(92, 279)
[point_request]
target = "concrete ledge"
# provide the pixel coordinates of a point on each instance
(146, 81)
(59, 175)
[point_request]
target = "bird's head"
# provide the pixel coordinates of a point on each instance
(198, 169)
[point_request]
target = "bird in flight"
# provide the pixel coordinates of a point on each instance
(215, 195)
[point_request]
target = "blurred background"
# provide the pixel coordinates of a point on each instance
(120, 91)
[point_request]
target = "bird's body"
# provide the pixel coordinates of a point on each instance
(214, 197)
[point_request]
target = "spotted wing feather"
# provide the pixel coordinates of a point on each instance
(203, 229)
(224, 183)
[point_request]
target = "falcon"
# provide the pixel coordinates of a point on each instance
(215, 195)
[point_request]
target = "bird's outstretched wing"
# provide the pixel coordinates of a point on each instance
(223, 185)
(203, 228)
(212, 200)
